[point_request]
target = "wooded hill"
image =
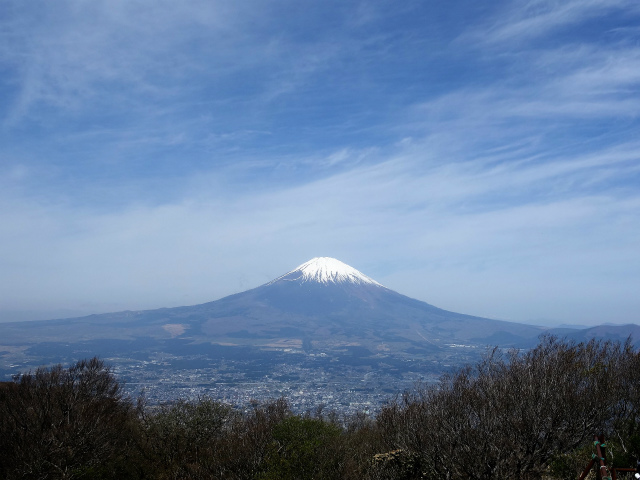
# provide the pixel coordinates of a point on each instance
(525, 415)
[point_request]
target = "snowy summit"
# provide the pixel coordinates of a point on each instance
(326, 270)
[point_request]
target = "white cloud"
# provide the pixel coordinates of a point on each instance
(188, 163)
(535, 18)
(448, 219)
(72, 52)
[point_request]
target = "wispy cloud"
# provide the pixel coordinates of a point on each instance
(535, 18)
(465, 220)
(156, 154)
(72, 52)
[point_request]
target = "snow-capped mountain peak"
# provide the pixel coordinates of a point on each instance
(326, 270)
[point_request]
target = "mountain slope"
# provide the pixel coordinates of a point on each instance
(322, 303)
(351, 310)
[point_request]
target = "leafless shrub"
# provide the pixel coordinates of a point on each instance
(510, 414)
(64, 423)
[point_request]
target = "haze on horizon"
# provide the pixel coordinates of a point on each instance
(482, 157)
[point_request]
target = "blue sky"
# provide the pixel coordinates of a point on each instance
(481, 156)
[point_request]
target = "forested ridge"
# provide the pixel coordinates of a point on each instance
(525, 415)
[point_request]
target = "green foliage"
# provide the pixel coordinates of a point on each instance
(564, 465)
(302, 448)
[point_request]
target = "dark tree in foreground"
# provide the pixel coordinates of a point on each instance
(303, 448)
(206, 439)
(185, 437)
(65, 423)
(509, 416)
(527, 415)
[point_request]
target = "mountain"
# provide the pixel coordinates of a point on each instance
(322, 305)
(325, 301)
